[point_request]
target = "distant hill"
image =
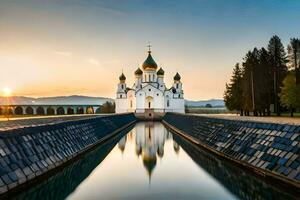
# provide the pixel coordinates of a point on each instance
(87, 100)
(202, 103)
(59, 100)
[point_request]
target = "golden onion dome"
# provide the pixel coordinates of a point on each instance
(122, 77)
(138, 72)
(177, 77)
(160, 72)
(149, 63)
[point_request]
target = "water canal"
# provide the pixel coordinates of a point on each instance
(149, 162)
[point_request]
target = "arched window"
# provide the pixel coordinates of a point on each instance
(149, 104)
(153, 76)
(130, 103)
(145, 78)
(122, 86)
(120, 96)
(176, 85)
(149, 77)
(168, 103)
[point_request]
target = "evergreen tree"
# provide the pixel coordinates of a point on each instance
(294, 57)
(249, 84)
(107, 107)
(279, 68)
(232, 96)
(263, 82)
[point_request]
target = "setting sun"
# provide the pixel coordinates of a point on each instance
(6, 91)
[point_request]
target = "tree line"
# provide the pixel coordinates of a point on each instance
(107, 107)
(268, 80)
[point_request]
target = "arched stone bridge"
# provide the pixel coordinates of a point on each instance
(49, 109)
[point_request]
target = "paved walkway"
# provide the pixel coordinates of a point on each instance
(277, 120)
(15, 123)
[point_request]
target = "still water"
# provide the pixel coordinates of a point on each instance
(149, 162)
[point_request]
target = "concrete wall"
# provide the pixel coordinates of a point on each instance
(236, 180)
(30, 152)
(270, 149)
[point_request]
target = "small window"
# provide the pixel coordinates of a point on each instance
(145, 78)
(179, 95)
(140, 94)
(176, 85)
(120, 96)
(122, 86)
(157, 94)
(149, 77)
(149, 90)
(168, 103)
(130, 103)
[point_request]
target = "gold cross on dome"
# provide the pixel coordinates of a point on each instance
(149, 47)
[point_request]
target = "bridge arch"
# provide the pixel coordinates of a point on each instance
(80, 110)
(19, 110)
(40, 110)
(29, 110)
(98, 110)
(50, 111)
(60, 111)
(70, 111)
(10, 110)
(89, 110)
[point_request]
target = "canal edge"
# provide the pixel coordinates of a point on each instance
(278, 179)
(70, 160)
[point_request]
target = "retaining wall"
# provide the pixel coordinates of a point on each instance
(30, 152)
(269, 149)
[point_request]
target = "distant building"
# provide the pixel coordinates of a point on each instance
(149, 95)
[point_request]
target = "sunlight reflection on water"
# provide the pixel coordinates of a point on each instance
(148, 163)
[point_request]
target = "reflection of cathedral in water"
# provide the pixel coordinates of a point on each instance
(149, 143)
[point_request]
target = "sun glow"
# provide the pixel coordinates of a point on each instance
(6, 92)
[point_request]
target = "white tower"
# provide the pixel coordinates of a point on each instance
(160, 79)
(121, 100)
(177, 85)
(138, 79)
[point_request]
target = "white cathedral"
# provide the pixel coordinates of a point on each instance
(149, 96)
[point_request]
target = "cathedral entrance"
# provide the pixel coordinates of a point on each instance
(149, 102)
(149, 108)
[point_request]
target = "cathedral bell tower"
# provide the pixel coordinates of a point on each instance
(121, 92)
(138, 78)
(177, 86)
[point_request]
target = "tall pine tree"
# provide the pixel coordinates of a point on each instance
(232, 96)
(279, 68)
(263, 81)
(294, 57)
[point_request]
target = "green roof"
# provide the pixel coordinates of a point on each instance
(149, 62)
(122, 77)
(177, 77)
(138, 72)
(160, 72)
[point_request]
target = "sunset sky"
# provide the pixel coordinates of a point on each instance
(65, 47)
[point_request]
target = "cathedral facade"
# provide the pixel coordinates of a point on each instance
(149, 95)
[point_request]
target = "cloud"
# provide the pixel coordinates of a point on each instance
(64, 53)
(93, 61)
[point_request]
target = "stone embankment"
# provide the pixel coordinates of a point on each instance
(30, 152)
(269, 149)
